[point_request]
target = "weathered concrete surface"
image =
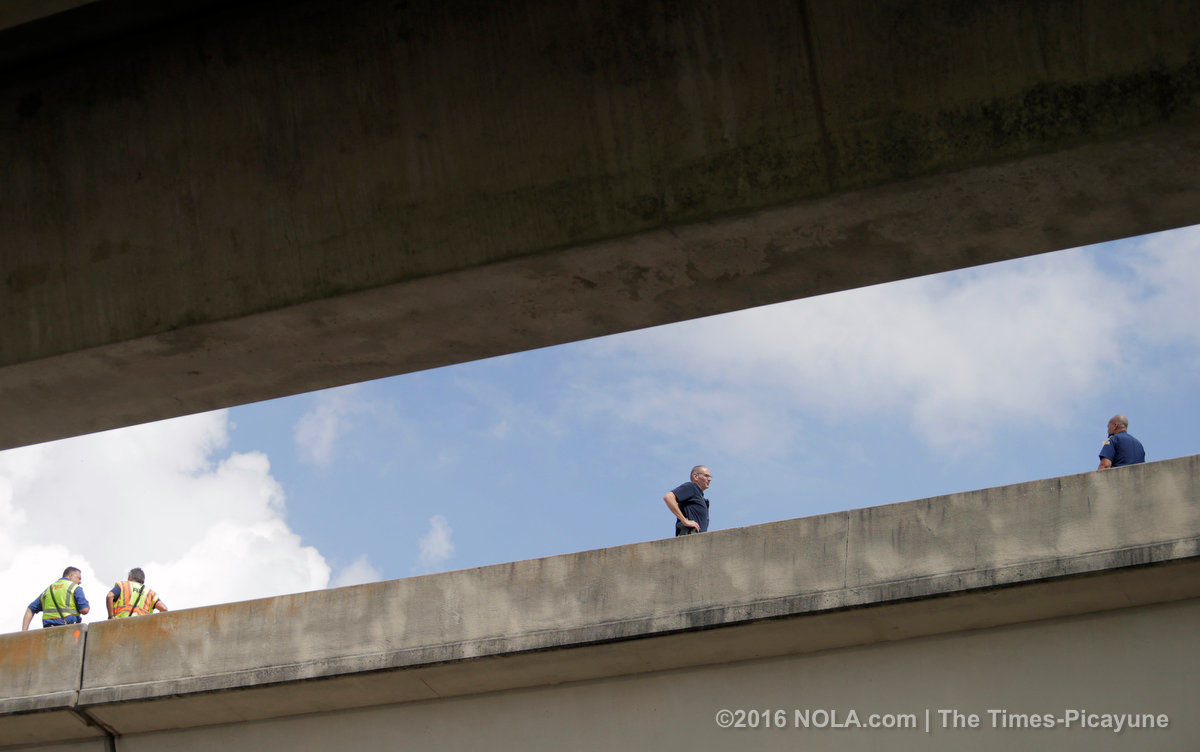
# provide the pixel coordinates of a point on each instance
(42, 670)
(266, 198)
(40, 674)
(1039, 550)
(1128, 660)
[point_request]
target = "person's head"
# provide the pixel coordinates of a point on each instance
(701, 476)
(73, 574)
(1117, 423)
(137, 575)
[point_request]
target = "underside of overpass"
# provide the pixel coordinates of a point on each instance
(210, 203)
(1058, 595)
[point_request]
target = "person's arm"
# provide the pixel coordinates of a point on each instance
(28, 618)
(160, 606)
(673, 505)
(108, 603)
(1108, 453)
(81, 603)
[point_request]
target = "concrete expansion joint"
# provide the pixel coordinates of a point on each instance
(110, 734)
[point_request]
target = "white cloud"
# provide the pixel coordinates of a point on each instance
(742, 423)
(954, 355)
(237, 562)
(435, 546)
(318, 430)
(1167, 286)
(501, 429)
(356, 572)
(508, 418)
(206, 528)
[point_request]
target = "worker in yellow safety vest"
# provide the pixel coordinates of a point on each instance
(131, 597)
(61, 603)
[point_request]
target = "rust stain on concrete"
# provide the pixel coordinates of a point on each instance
(45, 660)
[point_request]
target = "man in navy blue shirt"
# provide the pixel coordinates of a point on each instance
(61, 603)
(1120, 448)
(688, 504)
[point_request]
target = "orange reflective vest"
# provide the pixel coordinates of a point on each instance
(135, 600)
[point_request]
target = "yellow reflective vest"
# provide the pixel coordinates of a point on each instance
(58, 600)
(135, 600)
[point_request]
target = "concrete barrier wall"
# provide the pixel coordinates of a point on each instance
(41, 669)
(1142, 660)
(1128, 661)
(945, 545)
(40, 675)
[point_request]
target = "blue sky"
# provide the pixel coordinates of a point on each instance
(966, 380)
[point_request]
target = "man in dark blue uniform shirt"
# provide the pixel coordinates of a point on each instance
(1120, 448)
(688, 504)
(61, 603)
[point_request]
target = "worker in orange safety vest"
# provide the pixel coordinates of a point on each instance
(131, 597)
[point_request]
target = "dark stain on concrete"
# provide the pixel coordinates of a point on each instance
(106, 249)
(24, 278)
(633, 276)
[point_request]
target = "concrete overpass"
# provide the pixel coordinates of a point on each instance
(1059, 595)
(207, 203)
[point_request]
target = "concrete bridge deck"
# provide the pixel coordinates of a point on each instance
(1117, 545)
